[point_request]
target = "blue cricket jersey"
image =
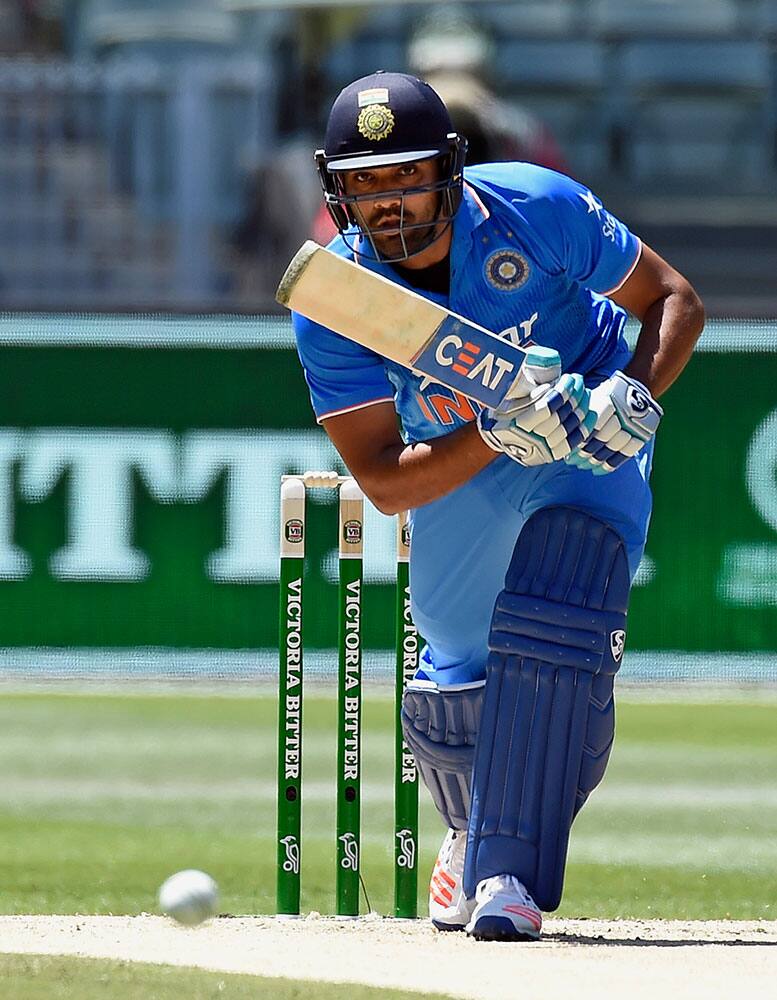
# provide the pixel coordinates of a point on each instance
(533, 256)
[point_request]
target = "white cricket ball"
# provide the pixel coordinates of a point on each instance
(189, 897)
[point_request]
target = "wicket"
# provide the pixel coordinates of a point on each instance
(291, 644)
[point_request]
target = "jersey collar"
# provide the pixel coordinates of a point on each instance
(471, 214)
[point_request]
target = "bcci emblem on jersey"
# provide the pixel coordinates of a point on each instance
(506, 270)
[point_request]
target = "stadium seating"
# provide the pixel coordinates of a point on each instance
(664, 18)
(99, 198)
(360, 56)
(766, 18)
(160, 23)
(666, 102)
(562, 82)
(693, 113)
(531, 18)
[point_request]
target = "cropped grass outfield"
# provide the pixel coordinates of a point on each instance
(40, 977)
(103, 796)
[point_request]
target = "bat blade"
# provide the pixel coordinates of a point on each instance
(399, 324)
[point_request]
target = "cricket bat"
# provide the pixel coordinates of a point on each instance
(399, 324)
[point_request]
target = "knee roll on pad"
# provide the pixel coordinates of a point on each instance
(547, 726)
(440, 726)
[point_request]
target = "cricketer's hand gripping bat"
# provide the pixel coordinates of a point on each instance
(399, 324)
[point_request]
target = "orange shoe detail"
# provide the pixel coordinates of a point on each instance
(446, 878)
(441, 891)
(523, 911)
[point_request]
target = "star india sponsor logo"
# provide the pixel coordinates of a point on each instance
(291, 846)
(506, 270)
(405, 848)
(617, 644)
(350, 858)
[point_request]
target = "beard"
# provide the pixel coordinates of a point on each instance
(393, 243)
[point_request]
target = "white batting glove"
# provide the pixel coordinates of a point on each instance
(545, 415)
(627, 417)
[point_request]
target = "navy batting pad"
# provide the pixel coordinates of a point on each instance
(440, 726)
(547, 726)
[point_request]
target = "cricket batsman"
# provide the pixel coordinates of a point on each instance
(529, 520)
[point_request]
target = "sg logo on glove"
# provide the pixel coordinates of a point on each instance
(627, 417)
(637, 401)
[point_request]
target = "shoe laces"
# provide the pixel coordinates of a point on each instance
(497, 884)
(452, 852)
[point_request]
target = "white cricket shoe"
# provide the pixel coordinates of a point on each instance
(449, 908)
(504, 911)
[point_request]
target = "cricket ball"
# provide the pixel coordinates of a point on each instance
(189, 897)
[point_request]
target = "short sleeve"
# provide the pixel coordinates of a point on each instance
(340, 374)
(567, 226)
(596, 249)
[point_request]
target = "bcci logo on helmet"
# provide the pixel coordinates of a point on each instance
(405, 849)
(376, 121)
(350, 858)
(291, 863)
(294, 530)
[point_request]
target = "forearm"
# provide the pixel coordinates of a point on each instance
(406, 476)
(670, 328)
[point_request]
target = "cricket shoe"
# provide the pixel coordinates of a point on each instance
(504, 911)
(449, 908)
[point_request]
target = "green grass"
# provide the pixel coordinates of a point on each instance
(43, 977)
(104, 796)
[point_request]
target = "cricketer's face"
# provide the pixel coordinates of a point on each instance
(398, 223)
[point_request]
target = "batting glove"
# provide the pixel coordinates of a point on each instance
(627, 417)
(545, 415)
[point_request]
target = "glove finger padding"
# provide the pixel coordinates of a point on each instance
(627, 417)
(545, 416)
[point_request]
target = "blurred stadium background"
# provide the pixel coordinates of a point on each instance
(155, 177)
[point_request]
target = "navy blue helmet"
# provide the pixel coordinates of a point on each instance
(379, 121)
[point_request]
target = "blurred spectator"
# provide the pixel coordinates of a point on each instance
(30, 26)
(164, 29)
(282, 199)
(453, 54)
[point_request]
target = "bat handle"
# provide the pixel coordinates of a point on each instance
(541, 366)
